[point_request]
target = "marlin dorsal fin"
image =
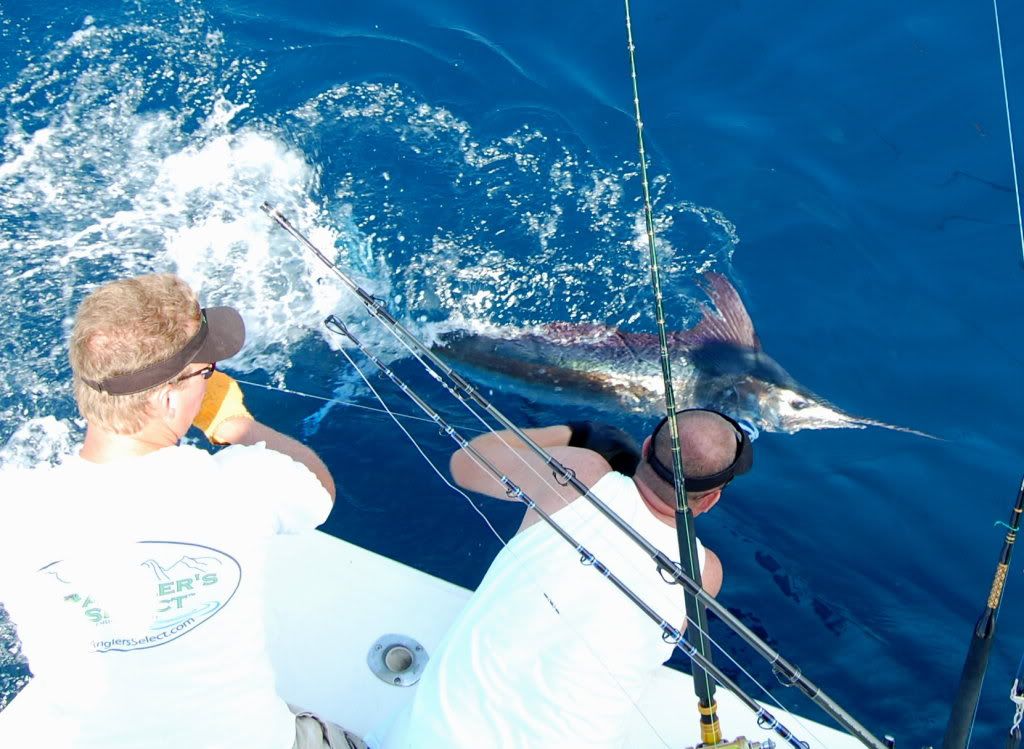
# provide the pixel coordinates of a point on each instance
(726, 321)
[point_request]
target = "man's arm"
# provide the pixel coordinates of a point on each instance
(510, 457)
(711, 573)
(241, 430)
(492, 443)
(710, 577)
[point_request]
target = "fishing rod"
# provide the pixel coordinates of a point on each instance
(669, 634)
(787, 673)
(961, 718)
(711, 731)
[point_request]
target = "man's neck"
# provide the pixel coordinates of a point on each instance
(102, 446)
(656, 505)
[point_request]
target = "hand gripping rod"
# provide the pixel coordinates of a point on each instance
(669, 633)
(787, 673)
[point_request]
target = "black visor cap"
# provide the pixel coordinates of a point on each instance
(220, 336)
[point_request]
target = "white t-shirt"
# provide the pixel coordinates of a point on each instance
(137, 590)
(547, 653)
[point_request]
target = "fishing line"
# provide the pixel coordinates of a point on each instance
(1009, 124)
(340, 402)
(670, 634)
(505, 544)
(1020, 673)
(394, 417)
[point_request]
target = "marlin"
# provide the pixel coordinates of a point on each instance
(718, 363)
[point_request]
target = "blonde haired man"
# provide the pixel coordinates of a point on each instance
(134, 570)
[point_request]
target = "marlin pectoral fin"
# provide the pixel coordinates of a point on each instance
(727, 321)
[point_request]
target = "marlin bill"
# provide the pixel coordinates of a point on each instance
(718, 363)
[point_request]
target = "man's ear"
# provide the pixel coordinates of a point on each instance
(706, 502)
(645, 447)
(163, 402)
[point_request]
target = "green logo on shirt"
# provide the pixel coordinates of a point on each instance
(153, 594)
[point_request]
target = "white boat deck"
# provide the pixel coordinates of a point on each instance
(349, 597)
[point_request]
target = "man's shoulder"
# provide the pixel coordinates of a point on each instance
(586, 465)
(249, 456)
(15, 479)
(268, 471)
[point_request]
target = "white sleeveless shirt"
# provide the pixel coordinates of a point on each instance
(548, 653)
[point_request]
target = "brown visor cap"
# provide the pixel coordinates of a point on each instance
(220, 336)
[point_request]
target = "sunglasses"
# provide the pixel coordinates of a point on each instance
(206, 372)
(741, 463)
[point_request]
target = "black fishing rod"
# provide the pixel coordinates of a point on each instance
(961, 717)
(669, 633)
(787, 673)
(711, 731)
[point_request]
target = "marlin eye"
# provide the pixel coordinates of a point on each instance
(799, 405)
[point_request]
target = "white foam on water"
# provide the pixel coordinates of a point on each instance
(232, 253)
(44, 439)
(518, 228)
(97, 186)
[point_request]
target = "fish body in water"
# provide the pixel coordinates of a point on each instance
(718, 363)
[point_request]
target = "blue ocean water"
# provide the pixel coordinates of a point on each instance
(846, 165)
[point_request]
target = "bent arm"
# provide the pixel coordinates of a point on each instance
(553, 436)
(510, 457)
(245, 431)
(711, 575)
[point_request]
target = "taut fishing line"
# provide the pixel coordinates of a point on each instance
(338, 401)
(1009, 124)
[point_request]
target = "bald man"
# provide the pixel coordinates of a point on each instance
(547, 653)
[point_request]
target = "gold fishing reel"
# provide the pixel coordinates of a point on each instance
(739, 743)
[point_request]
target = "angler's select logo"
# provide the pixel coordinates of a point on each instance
(152, 595)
